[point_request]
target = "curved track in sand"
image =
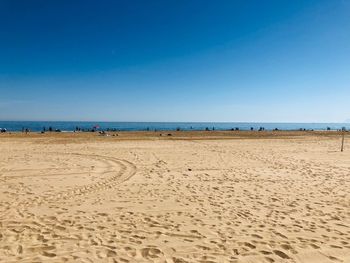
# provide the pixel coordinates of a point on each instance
(110, 173)
(19, 226)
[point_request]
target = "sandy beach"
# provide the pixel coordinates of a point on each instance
(179, 197)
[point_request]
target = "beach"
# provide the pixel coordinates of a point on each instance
(175, 197)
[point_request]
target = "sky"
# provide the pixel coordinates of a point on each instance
(175, 60)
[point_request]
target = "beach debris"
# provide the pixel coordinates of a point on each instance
(103, 133)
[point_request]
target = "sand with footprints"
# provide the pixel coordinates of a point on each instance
(186, 198)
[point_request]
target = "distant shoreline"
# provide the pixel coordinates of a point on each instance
(165, 126)
(69, 137)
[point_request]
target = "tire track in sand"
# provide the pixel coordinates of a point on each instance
(115, 172)
(49, 233)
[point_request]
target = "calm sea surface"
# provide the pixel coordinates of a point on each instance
(142, 126)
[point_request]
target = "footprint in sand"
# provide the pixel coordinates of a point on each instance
(151, 253)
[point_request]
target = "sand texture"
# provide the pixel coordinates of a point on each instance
(85, 198)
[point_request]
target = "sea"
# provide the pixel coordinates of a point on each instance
(69, 126)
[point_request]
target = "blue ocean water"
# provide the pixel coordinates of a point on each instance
(143, 126)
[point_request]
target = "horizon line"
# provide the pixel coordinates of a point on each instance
(96, 121)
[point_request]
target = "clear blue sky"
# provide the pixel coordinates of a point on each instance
(175, 60)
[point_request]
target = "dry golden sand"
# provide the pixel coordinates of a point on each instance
(189, 197)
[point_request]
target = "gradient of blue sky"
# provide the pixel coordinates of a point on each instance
(175, 60)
